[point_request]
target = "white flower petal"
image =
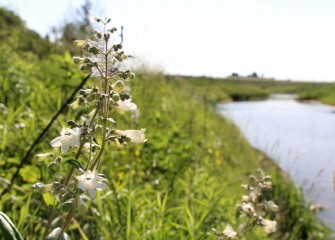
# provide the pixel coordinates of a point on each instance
(135, 136)
(100, 186)
(56, 142)
(92, 193)
(89, 182)
(229, 232)
(65, 148)
(69, 138)
(269, 226)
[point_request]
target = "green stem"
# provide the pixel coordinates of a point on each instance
(54, 208)
(73, 168)
(67, 220)
(51, 217)
(105, 109)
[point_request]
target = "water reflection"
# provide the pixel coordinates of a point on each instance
(300, 137)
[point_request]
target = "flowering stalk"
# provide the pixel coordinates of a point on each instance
(253, 209)
(90, 136)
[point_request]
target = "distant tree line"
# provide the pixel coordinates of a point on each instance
(252, 75)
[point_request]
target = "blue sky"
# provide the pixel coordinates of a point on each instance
(284, 39)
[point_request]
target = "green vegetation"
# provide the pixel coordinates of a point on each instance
(182, 182)
(237, 89)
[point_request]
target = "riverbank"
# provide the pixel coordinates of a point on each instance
(181, 183)
(299, 137)
(221, 145)
(235, 89)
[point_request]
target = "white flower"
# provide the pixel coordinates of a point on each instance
(247, 207)
(272, 206)
(229, 232)
(68, 138)
(269, 226)
(90, 182)
(245, 198)
(135, 136)
(118, 86)
(125, 106)
(87, 147)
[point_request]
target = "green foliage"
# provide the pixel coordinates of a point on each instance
(178, 185)
(235, 89)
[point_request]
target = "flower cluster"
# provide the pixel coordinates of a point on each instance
(83, 142)
(253, 209)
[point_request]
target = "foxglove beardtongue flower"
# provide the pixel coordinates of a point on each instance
(91, 182)
(68, 138)
(125, 106)
(247, 207)
(135, 136)
(229, 232)
(269, 226)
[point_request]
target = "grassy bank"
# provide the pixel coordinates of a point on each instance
(182, 182)
(236, 89)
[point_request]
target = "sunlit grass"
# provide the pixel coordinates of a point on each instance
(178, 185)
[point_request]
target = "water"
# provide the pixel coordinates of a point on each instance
(300, 137)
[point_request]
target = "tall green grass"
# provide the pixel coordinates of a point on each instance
(182, 182)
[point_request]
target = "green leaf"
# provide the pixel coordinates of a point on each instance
(30, 173)
(55, 233)
(124, 96)
(8, 228)
(75, 163)
(68, 205)
(49, 199)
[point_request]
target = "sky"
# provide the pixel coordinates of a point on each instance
(281, 39)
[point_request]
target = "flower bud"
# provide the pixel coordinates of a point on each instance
(106, 36)
(112, 30)
(272, 206)
(118, 86)
(99, 34)
(93, 50)
(78, 60)
(79, 43)
(97, 19)
(43, 156)
(46, 188)
(116, 97)
(132, 76)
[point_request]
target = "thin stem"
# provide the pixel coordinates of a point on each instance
(73, 168)
(247, 227)
(100, 71)
(105, 108)
(54, 208)
(89, 155)
(51, 217)
(67, 220)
